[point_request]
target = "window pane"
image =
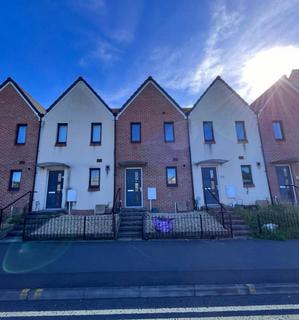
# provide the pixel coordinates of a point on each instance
(171, 176)
(246, 175)
(94, 178)
(277, 130)
(15, 179)
(169, 132)
(135, 132)
(96, 133)
(208, 131)
(62, 133)
(240, 130)
(21, 134)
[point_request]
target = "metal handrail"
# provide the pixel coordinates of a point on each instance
(116, 196)
(291, 185)
(217, 200)
(114, 211)
(16, 200)
(25, 194)
(222, 208)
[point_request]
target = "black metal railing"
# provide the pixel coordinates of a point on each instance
(24, 204)
(70, 227)
(115, 210)
(285, 225)
(225, 216)
(292, 196)
(199, 225)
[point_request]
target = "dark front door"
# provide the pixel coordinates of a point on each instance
(209, 181)
(55, 186)
(284, 180)
(133, 188)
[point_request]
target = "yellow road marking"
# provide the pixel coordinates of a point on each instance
(24, 294)
(251, 288)
(38, 293)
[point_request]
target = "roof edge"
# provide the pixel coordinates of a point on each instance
(69, 88)
(210, 86)
(24, 95)
(140, 88)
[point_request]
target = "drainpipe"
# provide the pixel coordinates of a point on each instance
(35, 164)
(264, 157)
(190, 159)
(114, 162)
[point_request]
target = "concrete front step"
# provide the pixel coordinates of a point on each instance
(129, 218)
(131, 224)
(130, 235)
(133, 210)
(129, 228)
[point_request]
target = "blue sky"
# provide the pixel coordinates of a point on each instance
(116, 44)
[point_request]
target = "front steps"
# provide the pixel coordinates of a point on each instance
(240, 228)
(17, 232)
(131, 225)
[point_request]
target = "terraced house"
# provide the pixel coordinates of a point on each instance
(20, 118)
(152, 151)
(278, 115)
(76, 155)
(226, 151)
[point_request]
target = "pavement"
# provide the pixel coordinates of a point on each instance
(147, 263)
(229, 279)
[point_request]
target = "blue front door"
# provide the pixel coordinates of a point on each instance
(210, 186)
(284, 181)
(55, 186)
(133, 188)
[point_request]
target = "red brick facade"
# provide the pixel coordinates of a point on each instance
(279, 103)
(152, 108)
(13, 111)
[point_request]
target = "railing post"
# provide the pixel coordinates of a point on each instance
(1, 217)
(24, 229)
(231, 225)
(84, 228)
(222, 217)
(30, 201)
(259, 223)
(114, 226)
(201, 229)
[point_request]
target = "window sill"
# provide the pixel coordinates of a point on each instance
(169, 141)
(93, 189)
(210, 142)
(249, 185)
(95, 144)
(13, 190)
(20, 144)
(60, 145)
(172, 186)
(136, 142)
(242, 141)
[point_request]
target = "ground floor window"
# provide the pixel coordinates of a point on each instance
(171, 177)
(94, 178)
(15, 180)
(247, 175)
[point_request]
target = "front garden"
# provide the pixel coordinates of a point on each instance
(276, 222)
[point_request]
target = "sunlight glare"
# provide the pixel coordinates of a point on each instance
(267, 66)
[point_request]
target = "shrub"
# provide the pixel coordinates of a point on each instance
(277, 222)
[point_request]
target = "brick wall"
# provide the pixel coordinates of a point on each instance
(280, 103)
(152, 109)
(14, 110)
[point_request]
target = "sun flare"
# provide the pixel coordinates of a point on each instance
(267, 66)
